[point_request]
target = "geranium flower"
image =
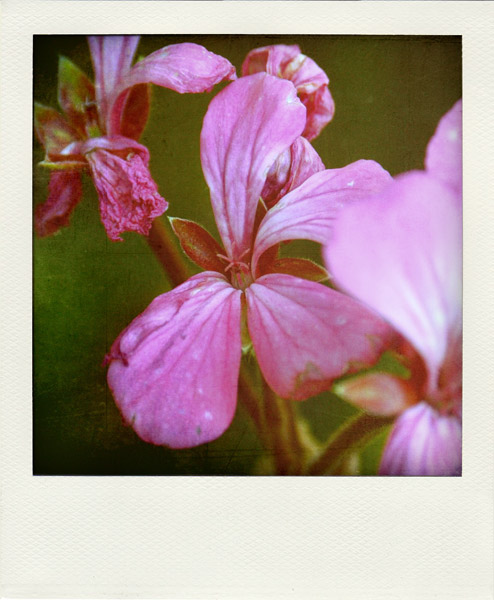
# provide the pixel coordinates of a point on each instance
(401, 253)
(174, 369)
(311, 81)
(101, 123)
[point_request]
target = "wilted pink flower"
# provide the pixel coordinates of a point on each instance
(101, 124)
(401, 253)
(310, 80)
(174, 370)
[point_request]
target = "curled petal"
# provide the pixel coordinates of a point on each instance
(444, 156)
(184, 68)
(112, 56)
(116, 144)
(247, 126)
(423, 442)
(401, 253)
(174, 370)
(291, 169)
(305, 334)
(64, 192)
(308, 212)
(128, 196)
(287, 62)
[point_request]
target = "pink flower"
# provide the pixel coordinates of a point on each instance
(310, 80)
(101, 124)
(401, 253)
(174, 369)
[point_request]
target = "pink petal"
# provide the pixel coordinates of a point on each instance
(444, 155)
(247, 126)
(423, 442)
(308, 212)
(174, 370)
(401, 253)
(112, 56)
(305, 334)
(129, 198)
(184, 68)
(287, 62)
(65, 191)
(291, 169)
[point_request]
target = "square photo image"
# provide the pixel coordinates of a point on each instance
(247, 255)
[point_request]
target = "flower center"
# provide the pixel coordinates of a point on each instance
(238, 270)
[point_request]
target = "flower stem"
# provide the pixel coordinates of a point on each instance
(352, 436)
(166, 251)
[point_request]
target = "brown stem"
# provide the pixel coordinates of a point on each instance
(352, 436)
(162, 244)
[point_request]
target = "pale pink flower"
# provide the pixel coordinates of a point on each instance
(174, 370)
(401, 253)
(101, 124)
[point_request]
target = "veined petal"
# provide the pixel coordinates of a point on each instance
(128, 196)
(287, 62)
(401, 253)
(184, 68)
(174, 370)
(246, 127)
(112, 56)
(308, 212)
(64, 192)
(292, 167)
(305, 334)
(444, 154)
(423, 442)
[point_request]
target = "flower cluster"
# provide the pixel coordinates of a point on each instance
(392, 247)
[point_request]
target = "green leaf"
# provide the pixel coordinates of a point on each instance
(198, 244)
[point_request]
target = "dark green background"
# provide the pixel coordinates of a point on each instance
(389, 92)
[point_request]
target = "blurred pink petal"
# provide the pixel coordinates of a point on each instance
(287, 62)
(112, 57)
(246, 127)
(308, 211)
(184, 68)
(401, 254)
(444, 155)
(64, 192)
(174, 370)
(423, 442)
(128, 196)
(291, 169)
(306, 334)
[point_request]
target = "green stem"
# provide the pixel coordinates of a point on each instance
(281, 423)
(352, 436)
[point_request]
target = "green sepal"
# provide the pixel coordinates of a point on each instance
(75, 90)
(52, 129)
(300, 267)
(198, 244)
